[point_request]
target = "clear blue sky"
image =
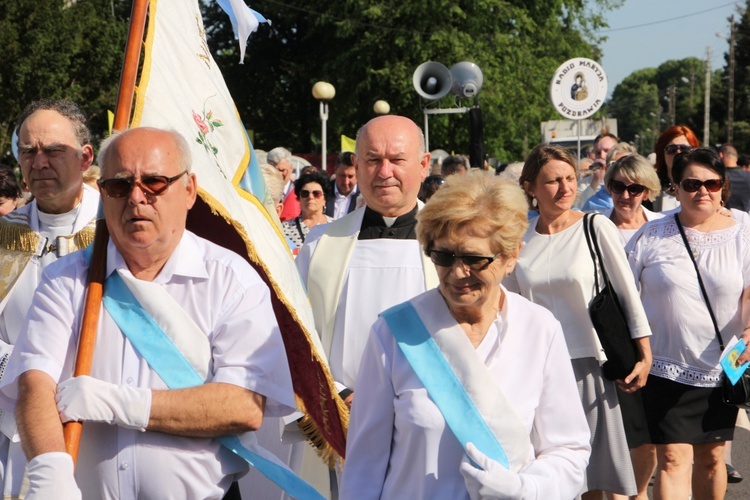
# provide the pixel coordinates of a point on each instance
(661, 30)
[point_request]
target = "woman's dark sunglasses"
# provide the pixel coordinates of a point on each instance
(618, 187)
(121, 187)
(673, 149)
(693, 185)
(305, 193)
(473, 262)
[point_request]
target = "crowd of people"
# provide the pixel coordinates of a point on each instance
(452, 306)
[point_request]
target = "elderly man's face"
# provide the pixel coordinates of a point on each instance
(285, 167)
(390, 165)
(346, 179)
(52, 161)
(145, 226)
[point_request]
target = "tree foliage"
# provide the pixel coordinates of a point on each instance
(369, 50)
(641, 101)
(640, 96)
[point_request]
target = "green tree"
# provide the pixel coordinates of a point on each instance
(56, 49)
(369, 50)
(641, 101)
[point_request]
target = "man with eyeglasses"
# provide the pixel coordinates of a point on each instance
(188, 351)
(53, 151)
(739, 179)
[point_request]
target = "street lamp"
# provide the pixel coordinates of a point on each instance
(381, 108)
(324, 92)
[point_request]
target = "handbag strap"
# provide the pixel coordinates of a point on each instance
(586, 221)
(588, 229)
(700, 280)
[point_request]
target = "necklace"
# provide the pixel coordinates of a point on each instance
(565, 224)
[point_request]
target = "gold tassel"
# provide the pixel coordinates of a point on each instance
(316, 439)
(84, 237)
(17, 237)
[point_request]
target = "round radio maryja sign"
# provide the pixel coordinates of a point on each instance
(578, 88)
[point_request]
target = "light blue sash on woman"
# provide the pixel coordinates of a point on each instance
(150, 340)
(442, 384)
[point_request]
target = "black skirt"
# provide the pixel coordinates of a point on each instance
(634, 417)
(679, 413)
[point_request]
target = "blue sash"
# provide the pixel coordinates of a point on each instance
(442, 384)
(167, 361)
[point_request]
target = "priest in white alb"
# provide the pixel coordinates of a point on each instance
(369, 260)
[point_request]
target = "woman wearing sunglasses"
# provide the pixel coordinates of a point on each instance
(555, 270)
(673, 141)
(495, 372)
(687, 420)
(311, 190)
(631, 180)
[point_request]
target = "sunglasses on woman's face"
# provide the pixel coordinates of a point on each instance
(473, 262)
(673, 149)
(304, 193)
(618, 187)
(693, 185)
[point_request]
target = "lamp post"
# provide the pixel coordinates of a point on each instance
(381, 107)
(324, 92)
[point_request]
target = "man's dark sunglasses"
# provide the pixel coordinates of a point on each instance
(618, 187)
(473, 262)
(121, 187)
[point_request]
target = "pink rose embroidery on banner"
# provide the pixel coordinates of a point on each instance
(207, 124)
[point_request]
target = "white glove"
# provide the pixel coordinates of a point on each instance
(51, 476)
(492, 480)
(91, 400)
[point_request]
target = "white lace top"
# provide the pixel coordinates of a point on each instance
(684, 343)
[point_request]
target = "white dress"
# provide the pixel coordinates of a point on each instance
(684, 344)
(556, 271)
(399, 446)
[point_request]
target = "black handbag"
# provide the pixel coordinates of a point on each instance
(608, 317)
(739, 393)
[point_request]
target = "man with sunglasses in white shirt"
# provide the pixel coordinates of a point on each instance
(53, 150)
(188, 355)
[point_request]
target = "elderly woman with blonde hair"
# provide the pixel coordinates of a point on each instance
(465, 390)
(630, 180)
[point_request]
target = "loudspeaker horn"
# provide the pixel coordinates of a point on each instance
(432, 80)
(467, 79)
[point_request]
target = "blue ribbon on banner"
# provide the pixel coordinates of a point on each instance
(442, 384)
(148, 338)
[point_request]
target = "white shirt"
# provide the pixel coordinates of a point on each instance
(48, 226)
(627, 234)
(684, 344)
(341, 201)
(556, 271)
(14, 309)
(381, 274)
(227, 299)
(399, 446)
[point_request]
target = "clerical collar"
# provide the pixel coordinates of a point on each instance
(374, 226)
(51, 225)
